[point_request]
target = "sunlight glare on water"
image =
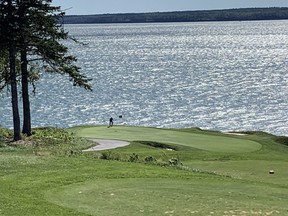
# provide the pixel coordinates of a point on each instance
(217, 75)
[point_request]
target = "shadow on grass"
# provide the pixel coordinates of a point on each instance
(158, 145)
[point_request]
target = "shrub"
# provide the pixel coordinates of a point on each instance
(107, 155)
(150, 159)
(174, 162)
(56, 141)
(134, 158)
(5, 133)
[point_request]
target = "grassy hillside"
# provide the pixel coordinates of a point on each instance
(155, 175)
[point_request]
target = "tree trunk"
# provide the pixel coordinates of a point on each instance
(14, 93)
(25, 95)
(13, 78)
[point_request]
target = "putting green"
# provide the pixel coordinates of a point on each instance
(200, 141)
(158, 196)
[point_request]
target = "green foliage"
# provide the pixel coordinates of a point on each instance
(134, 158)
(112, 155)
(174, 162)
(4, 69)
(5, 136)
(150, 159)
(106, 155)
(109, 155)
(184, 16)
(55, 141)
(5, 133)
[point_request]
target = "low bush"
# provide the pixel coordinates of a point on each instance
(174, 162)
(5, 133)
(109, 155)
(150, 159)
(56, 141)
(133, 158)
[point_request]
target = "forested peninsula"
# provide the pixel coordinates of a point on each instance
(243, 14)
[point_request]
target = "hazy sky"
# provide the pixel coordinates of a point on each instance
(135, 6)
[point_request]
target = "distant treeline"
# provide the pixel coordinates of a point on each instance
(183, 16)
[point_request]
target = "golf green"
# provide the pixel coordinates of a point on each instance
(229, 144)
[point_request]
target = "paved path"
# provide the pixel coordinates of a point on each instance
(106, 144)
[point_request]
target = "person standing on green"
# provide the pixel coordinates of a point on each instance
(111, 122)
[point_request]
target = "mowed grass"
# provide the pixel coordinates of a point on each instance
(202, 141)
(210, 182)
(248, 170)
(176, 196)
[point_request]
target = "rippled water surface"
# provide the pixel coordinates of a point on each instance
(217, 75)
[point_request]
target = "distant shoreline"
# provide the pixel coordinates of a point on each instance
(242, 14)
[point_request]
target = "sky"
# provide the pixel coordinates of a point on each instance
(84, 7)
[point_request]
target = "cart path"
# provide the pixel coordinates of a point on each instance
(104, 144)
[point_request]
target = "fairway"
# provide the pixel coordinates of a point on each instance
(200, 141)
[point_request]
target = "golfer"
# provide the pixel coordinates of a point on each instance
(111, 122)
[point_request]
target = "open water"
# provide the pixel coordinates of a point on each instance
(228, 76)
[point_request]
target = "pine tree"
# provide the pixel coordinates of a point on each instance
(37, 34)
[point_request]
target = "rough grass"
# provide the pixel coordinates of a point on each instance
(45, 182)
